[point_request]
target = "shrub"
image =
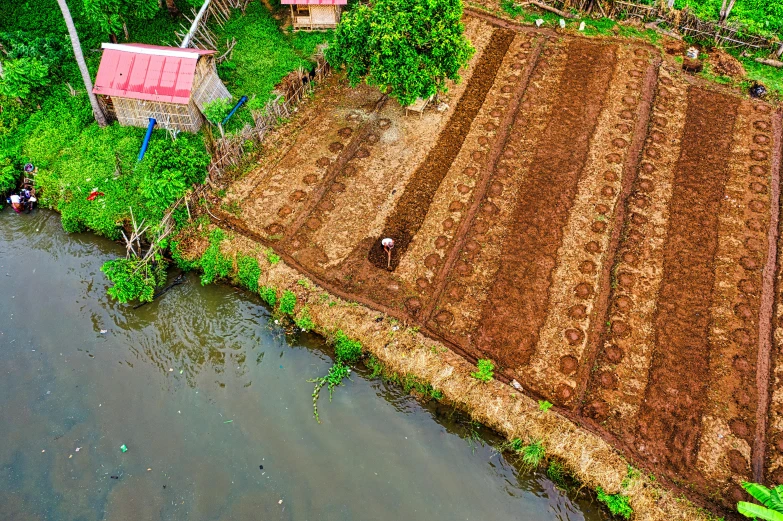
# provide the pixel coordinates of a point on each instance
(134, 279)
(248, 272)
(303, 320)
(287, 302)
(213, 263)
(486, 370)
(169, 168)
(617, 504)
(9, 175)
(268, 295)
(22, 76)
(346, 351)
(217, 109)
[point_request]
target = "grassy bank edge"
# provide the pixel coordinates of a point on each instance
(408, 353)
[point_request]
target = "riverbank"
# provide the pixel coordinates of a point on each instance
(210, 397)
(407, 352)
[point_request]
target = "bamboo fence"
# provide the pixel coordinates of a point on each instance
(228, 151)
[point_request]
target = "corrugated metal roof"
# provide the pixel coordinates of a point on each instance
(314, 2)
(147, 72)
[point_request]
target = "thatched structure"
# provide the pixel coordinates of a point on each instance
(315, 14)
(138, 82)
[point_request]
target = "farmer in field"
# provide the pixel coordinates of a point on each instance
(388, 244)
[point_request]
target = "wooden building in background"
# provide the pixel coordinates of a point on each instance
(313, 15)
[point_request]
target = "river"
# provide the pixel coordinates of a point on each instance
(212, 402)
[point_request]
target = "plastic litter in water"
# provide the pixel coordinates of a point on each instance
(123, 448)
(229, 421)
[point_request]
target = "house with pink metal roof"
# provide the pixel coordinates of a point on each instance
(137, 82)
(315, 14)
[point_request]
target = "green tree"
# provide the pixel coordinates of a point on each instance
(408, 48)
(21, 76)
(772, 501)
(111, 15)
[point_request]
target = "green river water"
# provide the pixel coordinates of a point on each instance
(203, 389)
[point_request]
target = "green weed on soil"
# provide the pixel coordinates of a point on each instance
(485, 372)
(617, 504)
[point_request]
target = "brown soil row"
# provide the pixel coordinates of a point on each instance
(412, 206)
(671, 414)
(474, 261)
(517, 302)
(577, 309)
(617, 385)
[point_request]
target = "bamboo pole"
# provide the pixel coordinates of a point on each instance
(186, 41)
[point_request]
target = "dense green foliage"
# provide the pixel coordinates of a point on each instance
(346, 350)
(771, 499)
(248, 272)
(763, 17)
(409, 47)
(213, 263)
(287, 302)
(110, 15)
(268, 295)
(169, 168)
(485, 370)
(134, 279)
(263, 54)
(617, 504)
(304, 321)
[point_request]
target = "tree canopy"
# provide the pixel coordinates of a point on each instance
(408, 47)
(110, 15)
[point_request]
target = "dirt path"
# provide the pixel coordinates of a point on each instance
(517, 302)
(670, 416)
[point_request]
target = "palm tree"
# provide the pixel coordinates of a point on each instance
(77, 51)
(771, 499)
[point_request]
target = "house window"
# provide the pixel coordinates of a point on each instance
(302, 10)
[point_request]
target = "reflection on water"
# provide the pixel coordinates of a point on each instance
(213, 403)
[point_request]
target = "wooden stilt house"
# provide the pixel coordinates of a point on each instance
(137, 82)
(315, 14)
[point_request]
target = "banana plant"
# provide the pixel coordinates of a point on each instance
(771, 499)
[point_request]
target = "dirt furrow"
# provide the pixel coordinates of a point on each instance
(480, 190)
(412, 206)
(671, 414)
(517, 302)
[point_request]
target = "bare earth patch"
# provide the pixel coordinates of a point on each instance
(600, 226)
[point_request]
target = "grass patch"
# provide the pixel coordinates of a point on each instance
(617, 504)
(287, 302)
(556, 472)
(264, 53)
(485, 370)
(533, 454)
(346, 350)
(268, 295)
(544, 405)
(303, 320)
(272, 257)
(213, 263)
(248, 272)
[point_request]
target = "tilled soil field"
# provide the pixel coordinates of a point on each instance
(598, 224)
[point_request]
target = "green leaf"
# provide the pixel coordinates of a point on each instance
(758, 512)
(760, 492)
